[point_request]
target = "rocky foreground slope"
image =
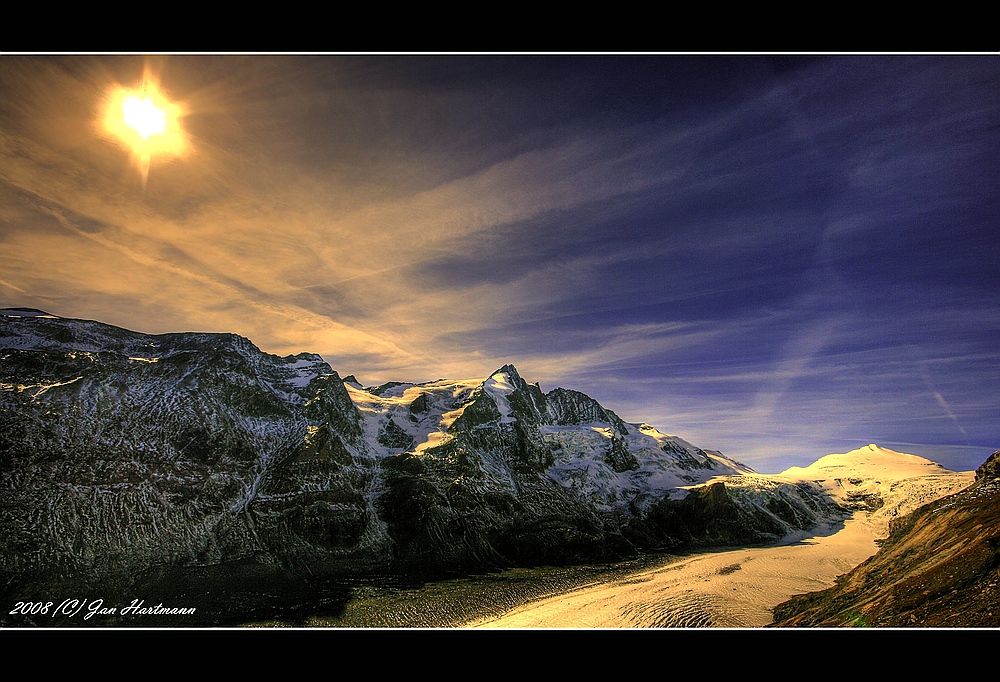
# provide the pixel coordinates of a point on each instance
(195, 463)
(939, 567)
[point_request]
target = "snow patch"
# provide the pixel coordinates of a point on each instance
(26, 312)
(499, 387)
(38, 389)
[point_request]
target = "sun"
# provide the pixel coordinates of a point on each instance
(144, 116)
(145, 122)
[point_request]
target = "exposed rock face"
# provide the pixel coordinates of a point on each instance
(939, 567)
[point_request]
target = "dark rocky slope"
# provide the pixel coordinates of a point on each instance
(126, 459)
(939, 567)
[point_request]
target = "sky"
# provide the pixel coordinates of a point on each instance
(774, 256)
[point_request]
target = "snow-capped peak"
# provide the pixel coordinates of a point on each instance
(499, 386)
(870, 461)
(894, 482)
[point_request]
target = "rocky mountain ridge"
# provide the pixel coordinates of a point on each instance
(141, 461)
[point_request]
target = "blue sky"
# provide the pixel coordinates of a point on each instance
(778, 257)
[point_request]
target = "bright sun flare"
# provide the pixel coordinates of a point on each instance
(145, 123)
(144, 116)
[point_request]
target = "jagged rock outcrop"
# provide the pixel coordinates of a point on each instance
(990, 469)
(939, 567)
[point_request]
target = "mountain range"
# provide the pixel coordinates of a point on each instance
(184, 463)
